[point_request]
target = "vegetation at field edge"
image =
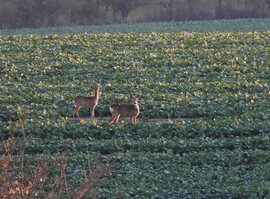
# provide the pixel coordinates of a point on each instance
(236, 25)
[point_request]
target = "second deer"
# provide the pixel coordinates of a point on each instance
(90, 102)
(128, 110)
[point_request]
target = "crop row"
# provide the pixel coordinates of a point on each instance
(178, 177)
(231, 127)
(154, 145)
(200, 168)
(177, 74)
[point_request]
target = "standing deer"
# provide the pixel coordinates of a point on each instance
(126, 110)
(90, 102)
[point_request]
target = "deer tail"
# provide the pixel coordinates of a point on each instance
(111, 109)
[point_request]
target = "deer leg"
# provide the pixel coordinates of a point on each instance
(74, 112)
(73, 115)
(117, 118)
(134, 119)
(77, 112)
(112, 120)
(93, 113)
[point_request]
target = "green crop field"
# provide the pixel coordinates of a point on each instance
(204, 126)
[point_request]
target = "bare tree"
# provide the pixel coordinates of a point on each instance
(124, 7)
(107, 3)
(267, 2)
(219, 13)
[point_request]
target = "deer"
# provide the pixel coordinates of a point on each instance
(90, 102)
(132, 111)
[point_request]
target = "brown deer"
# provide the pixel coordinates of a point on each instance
(126, 110)
(90, 102)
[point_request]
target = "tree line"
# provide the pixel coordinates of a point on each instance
(45, 13)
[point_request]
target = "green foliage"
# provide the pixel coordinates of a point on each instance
(177, 74)
(236, 25)
(204, 125)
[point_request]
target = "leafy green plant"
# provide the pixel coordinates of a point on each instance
(203, 129)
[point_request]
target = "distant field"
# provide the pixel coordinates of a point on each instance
(237, 25)
(204, 127)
